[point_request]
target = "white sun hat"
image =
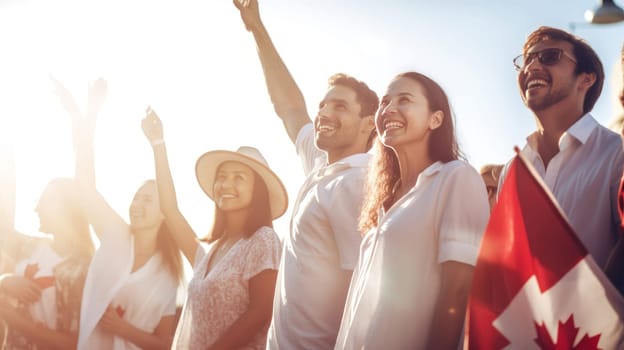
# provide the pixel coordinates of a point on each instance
(206, 169)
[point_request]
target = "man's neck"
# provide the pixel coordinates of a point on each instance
(551, 124)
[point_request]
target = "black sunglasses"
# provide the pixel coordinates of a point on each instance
(547, 57)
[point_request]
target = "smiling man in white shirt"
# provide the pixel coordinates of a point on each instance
(560, 78)
(321, 249)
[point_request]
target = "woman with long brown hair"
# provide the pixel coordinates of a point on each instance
(424, 214)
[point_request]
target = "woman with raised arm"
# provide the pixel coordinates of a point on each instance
(230, 297)
(42, 276)
(424, 213)
(130, 290)
(40, 294)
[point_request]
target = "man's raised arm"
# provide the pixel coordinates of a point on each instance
(285, 95)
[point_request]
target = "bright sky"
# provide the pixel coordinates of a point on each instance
(195, 64)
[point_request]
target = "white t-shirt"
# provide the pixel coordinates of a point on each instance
(141, 297)
(216, 299)
(320, 250)
(584, 178)
(397, 279)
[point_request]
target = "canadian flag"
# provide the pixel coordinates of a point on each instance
(534, 285)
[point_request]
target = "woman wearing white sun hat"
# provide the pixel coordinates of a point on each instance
(230, 296)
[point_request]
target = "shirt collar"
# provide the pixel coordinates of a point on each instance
(583, 128)
(432, 169)
(579, 131)
(429, 171)
(357, 160)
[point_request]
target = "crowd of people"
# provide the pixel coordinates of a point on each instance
(384, 235)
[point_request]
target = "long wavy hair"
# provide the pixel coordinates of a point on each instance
(384, 171)
(258, 216)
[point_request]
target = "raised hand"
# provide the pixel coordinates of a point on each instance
(152, 126)
(66, 98)
(21, 288)
(249, 13)
(83, 126)
(95, 98)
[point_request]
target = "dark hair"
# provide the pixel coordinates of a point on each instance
(259, 215)
(383, 174)
(587, 59)
(384, 169)
(442, 142)
(367, 98)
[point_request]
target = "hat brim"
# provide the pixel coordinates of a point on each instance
(206, 169)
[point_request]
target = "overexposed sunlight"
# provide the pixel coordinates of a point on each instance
(196, 65)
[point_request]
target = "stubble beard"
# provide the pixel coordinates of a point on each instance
(550, 99)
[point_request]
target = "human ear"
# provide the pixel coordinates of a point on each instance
(587, 80)
(368, 124)
(435, 120)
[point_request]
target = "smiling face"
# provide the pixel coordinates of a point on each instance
(543, 86)
(145, 208)
(233, 186)
(339, 129)
(404, 117)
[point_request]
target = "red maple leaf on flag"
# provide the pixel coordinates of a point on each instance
(566, 333)
(532, 266)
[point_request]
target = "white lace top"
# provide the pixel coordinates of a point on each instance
(217, 299)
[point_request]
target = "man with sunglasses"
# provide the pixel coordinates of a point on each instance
(560, 78)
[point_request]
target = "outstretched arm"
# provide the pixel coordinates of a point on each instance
(285, 95)
(101, 216)
(183, 233)
(83, 128)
